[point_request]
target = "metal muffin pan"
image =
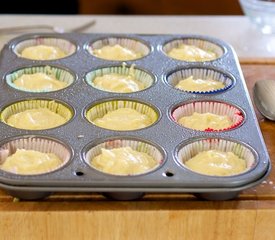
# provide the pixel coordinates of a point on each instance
(165, 134)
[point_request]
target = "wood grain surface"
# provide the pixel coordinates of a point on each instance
(156, 216)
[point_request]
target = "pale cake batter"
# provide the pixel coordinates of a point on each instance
(43, 52)
(114, 82)
(116, 52)
(30, 162)
(203, 121)
(36, 119)
(123, 161)
(191, 53)
(39, 82)
(216, 163)
(191, 84)
(123, 119)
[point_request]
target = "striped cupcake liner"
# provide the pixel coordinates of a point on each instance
(141, 76)
(100, 109)
(190, 150)
(59, 108)
(200, 43)
(219, 108)
(129, 43)
(59, 73)
(36, 143)
(66, 46)
(201, 73)
(138, 145)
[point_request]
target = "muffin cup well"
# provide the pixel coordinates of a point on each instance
(219, 108)
(243, 151)
(94, 149)
(141, 76)
(204, 73)
(135, 45)
(57, 107)
(59, 73)
(198, 42)
(66, 46)
(36, 143)
(98, 110)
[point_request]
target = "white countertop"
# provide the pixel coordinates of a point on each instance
(248, 41)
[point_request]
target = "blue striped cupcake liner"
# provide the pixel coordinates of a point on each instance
(204, 73)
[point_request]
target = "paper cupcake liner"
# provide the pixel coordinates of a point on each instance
(66, 46)
(200, 73)
(145, 78)
(200, 43)
(56, 107)
(100, 109)
(136, 145)
(36, 143)
(59, 73)
(129, 43)
(219, 108)
(190, 150)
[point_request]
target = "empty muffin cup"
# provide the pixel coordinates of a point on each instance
(124, 157)
(44, 48)
(122, 115)
(32, 155)
(200, 80)
(208, 116)
(120, 79)
(39, 79)
(217, 157)
(118, 49)
(36, 114)
(193, 50)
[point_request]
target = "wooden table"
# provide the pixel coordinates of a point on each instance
(156, 216)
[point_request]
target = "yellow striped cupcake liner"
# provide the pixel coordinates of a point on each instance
(101, 109)
(56, 107)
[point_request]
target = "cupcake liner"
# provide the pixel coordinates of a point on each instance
(59, 73)
(36, 143)
(136, 145)
(200, 43)
(56, 107)
(145, 78)
(100, 109)
(200, 73)
(132, 44)
(190, 150)
(66, 46)
(219, 108)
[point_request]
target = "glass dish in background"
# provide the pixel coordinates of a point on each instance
(261, 13)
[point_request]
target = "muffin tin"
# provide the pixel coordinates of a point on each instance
(167, 139)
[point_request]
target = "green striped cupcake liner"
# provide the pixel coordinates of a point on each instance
(100, 109)
(140, 146)
(190, 150)
(129, 43)
(143, 77)
(59, 108)
(200, 43)
(66, 46)
(36, 143)
(59, 73)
